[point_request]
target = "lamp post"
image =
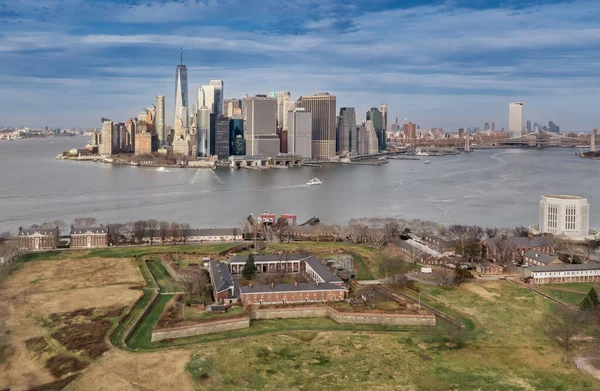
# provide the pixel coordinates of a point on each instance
(419, 300)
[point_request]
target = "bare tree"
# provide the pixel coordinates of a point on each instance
(566, 247)
(520, 231)
(491, 232)
(392, 228)
(394, 267)
(175, 232)
(163, 231)
(114, 233)
(152, 229)
(352, 231)
(504, 252)
(185, 231)
(377, 236)
(84, 221)
(5, 236)
(55, 224)
(8, 253)
(139, 230)
(562, 327)
(282, 229)
(589, 245)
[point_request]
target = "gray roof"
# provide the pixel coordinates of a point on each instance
(541, 257)
(565, 267)
(322, 270)
(302, 286)
(442, 242)
(215, 232)
(404, 244)
(269, 258)
(41, 231)
(519, 242)
(220, 270)
(94, 230)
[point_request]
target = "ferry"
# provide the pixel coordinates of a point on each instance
(427, 161)
(314, 181)
(421, 153)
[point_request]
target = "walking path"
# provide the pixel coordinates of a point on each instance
(584, 365)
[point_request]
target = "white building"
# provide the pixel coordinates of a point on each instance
(218, 95)
(565, 215)
(206, 97)
(515, 119)
(566, 273)
(300, 132)
(283, 106)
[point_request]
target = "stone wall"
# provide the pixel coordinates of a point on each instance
(341, 317)
(202, 328)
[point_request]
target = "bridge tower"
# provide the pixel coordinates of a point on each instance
(467, 142)
(593, 140)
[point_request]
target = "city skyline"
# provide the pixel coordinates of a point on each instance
(439, 65)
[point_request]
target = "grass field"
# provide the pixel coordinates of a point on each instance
(163, 278)
(141, 337)
(132, 251)
(569, 293)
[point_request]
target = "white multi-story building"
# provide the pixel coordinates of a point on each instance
(283, 106)
(206, 97)
(515, 119)
(300, 132)
(566, 273)
(565, 215)
(218, 95)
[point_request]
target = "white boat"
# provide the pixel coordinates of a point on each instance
(427, 161)
(314, 181)
(421, 153)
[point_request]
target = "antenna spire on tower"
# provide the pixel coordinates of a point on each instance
(181, 56)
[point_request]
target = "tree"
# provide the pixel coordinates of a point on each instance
(393, 267)
(566, 247)
(175, 232)
(377, 237)
(184, 232)
(152, 229)
(54, 224)
(562, 327)
(392, 229)
(461, 275)
(163, 231)
(521, 231)
(491, 232)
(505, 252)
(139, 230)
(5, 236)
(586, 304)
(594, 296)
(250, 269)
(84, 221)
(114, 233)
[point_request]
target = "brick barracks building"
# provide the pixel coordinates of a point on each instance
(89, 237)
(325, 285)
(38, 238)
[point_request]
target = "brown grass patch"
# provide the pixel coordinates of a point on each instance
(61, 365)
(56, 385)
(85, 337)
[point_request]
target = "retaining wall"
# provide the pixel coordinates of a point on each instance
(216, 326)
(341, 317)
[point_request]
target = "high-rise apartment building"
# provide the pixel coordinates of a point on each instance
(232, 107)
(222, 137)
(515, 119)
(236, 131)
(181, 92)
(346, 130)
(323, 108)
(410, 132)
(105, 147)
(283, 106)
(160, 120)
(218, 95)
(371, 138)
(299, 133)
(528, 127)
(384, 126)
(260, 126)
(204, 132)
(374, 115)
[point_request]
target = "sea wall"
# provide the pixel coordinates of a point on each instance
(216, 326)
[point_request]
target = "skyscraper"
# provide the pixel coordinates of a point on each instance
(105, 147)
(384, 126)
(283, 106)
(204, 132)
(222, 137)
(232, 107)
(218, 95)
(371, 139)
(374, 115)
(260, 126)
(181, 92)
(323, 108)
(160, 120)
(206, 97)
(410, 132)
(236, 132)
(346, 139)
(528, 126)
(515, 119)
(299, 133)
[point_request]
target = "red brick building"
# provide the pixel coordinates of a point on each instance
(38, 238)
(488, 268)
(292, 293)
(222, 283)
(89, 237)
(515, 247)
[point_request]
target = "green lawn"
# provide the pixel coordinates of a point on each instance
(163, 278)
(142, 336)
(569, 293)
(132, 251)
(363, 273)
(40, 256)
(196, 314)
(118, 334)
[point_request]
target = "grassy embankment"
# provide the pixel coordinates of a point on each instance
(572, 293)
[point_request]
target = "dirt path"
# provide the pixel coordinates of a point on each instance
(584, 365)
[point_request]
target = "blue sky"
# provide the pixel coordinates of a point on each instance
(437, 63)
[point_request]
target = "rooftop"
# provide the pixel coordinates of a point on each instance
(566, 267)
(322, 270)
(301, 286)
(220, 276)
(93, 230)
(40, 231)
(521, 242)
(269, 258)
(564, 197)
(540, 257)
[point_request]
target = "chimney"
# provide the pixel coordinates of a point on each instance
(272, 285)
(317, 282)
(530, 235)
(504, 236)
(296, 284)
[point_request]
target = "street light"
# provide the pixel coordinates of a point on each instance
(419, 300)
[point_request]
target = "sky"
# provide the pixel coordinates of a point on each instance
(451, 64)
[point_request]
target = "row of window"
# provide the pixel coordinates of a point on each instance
(559, 274)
